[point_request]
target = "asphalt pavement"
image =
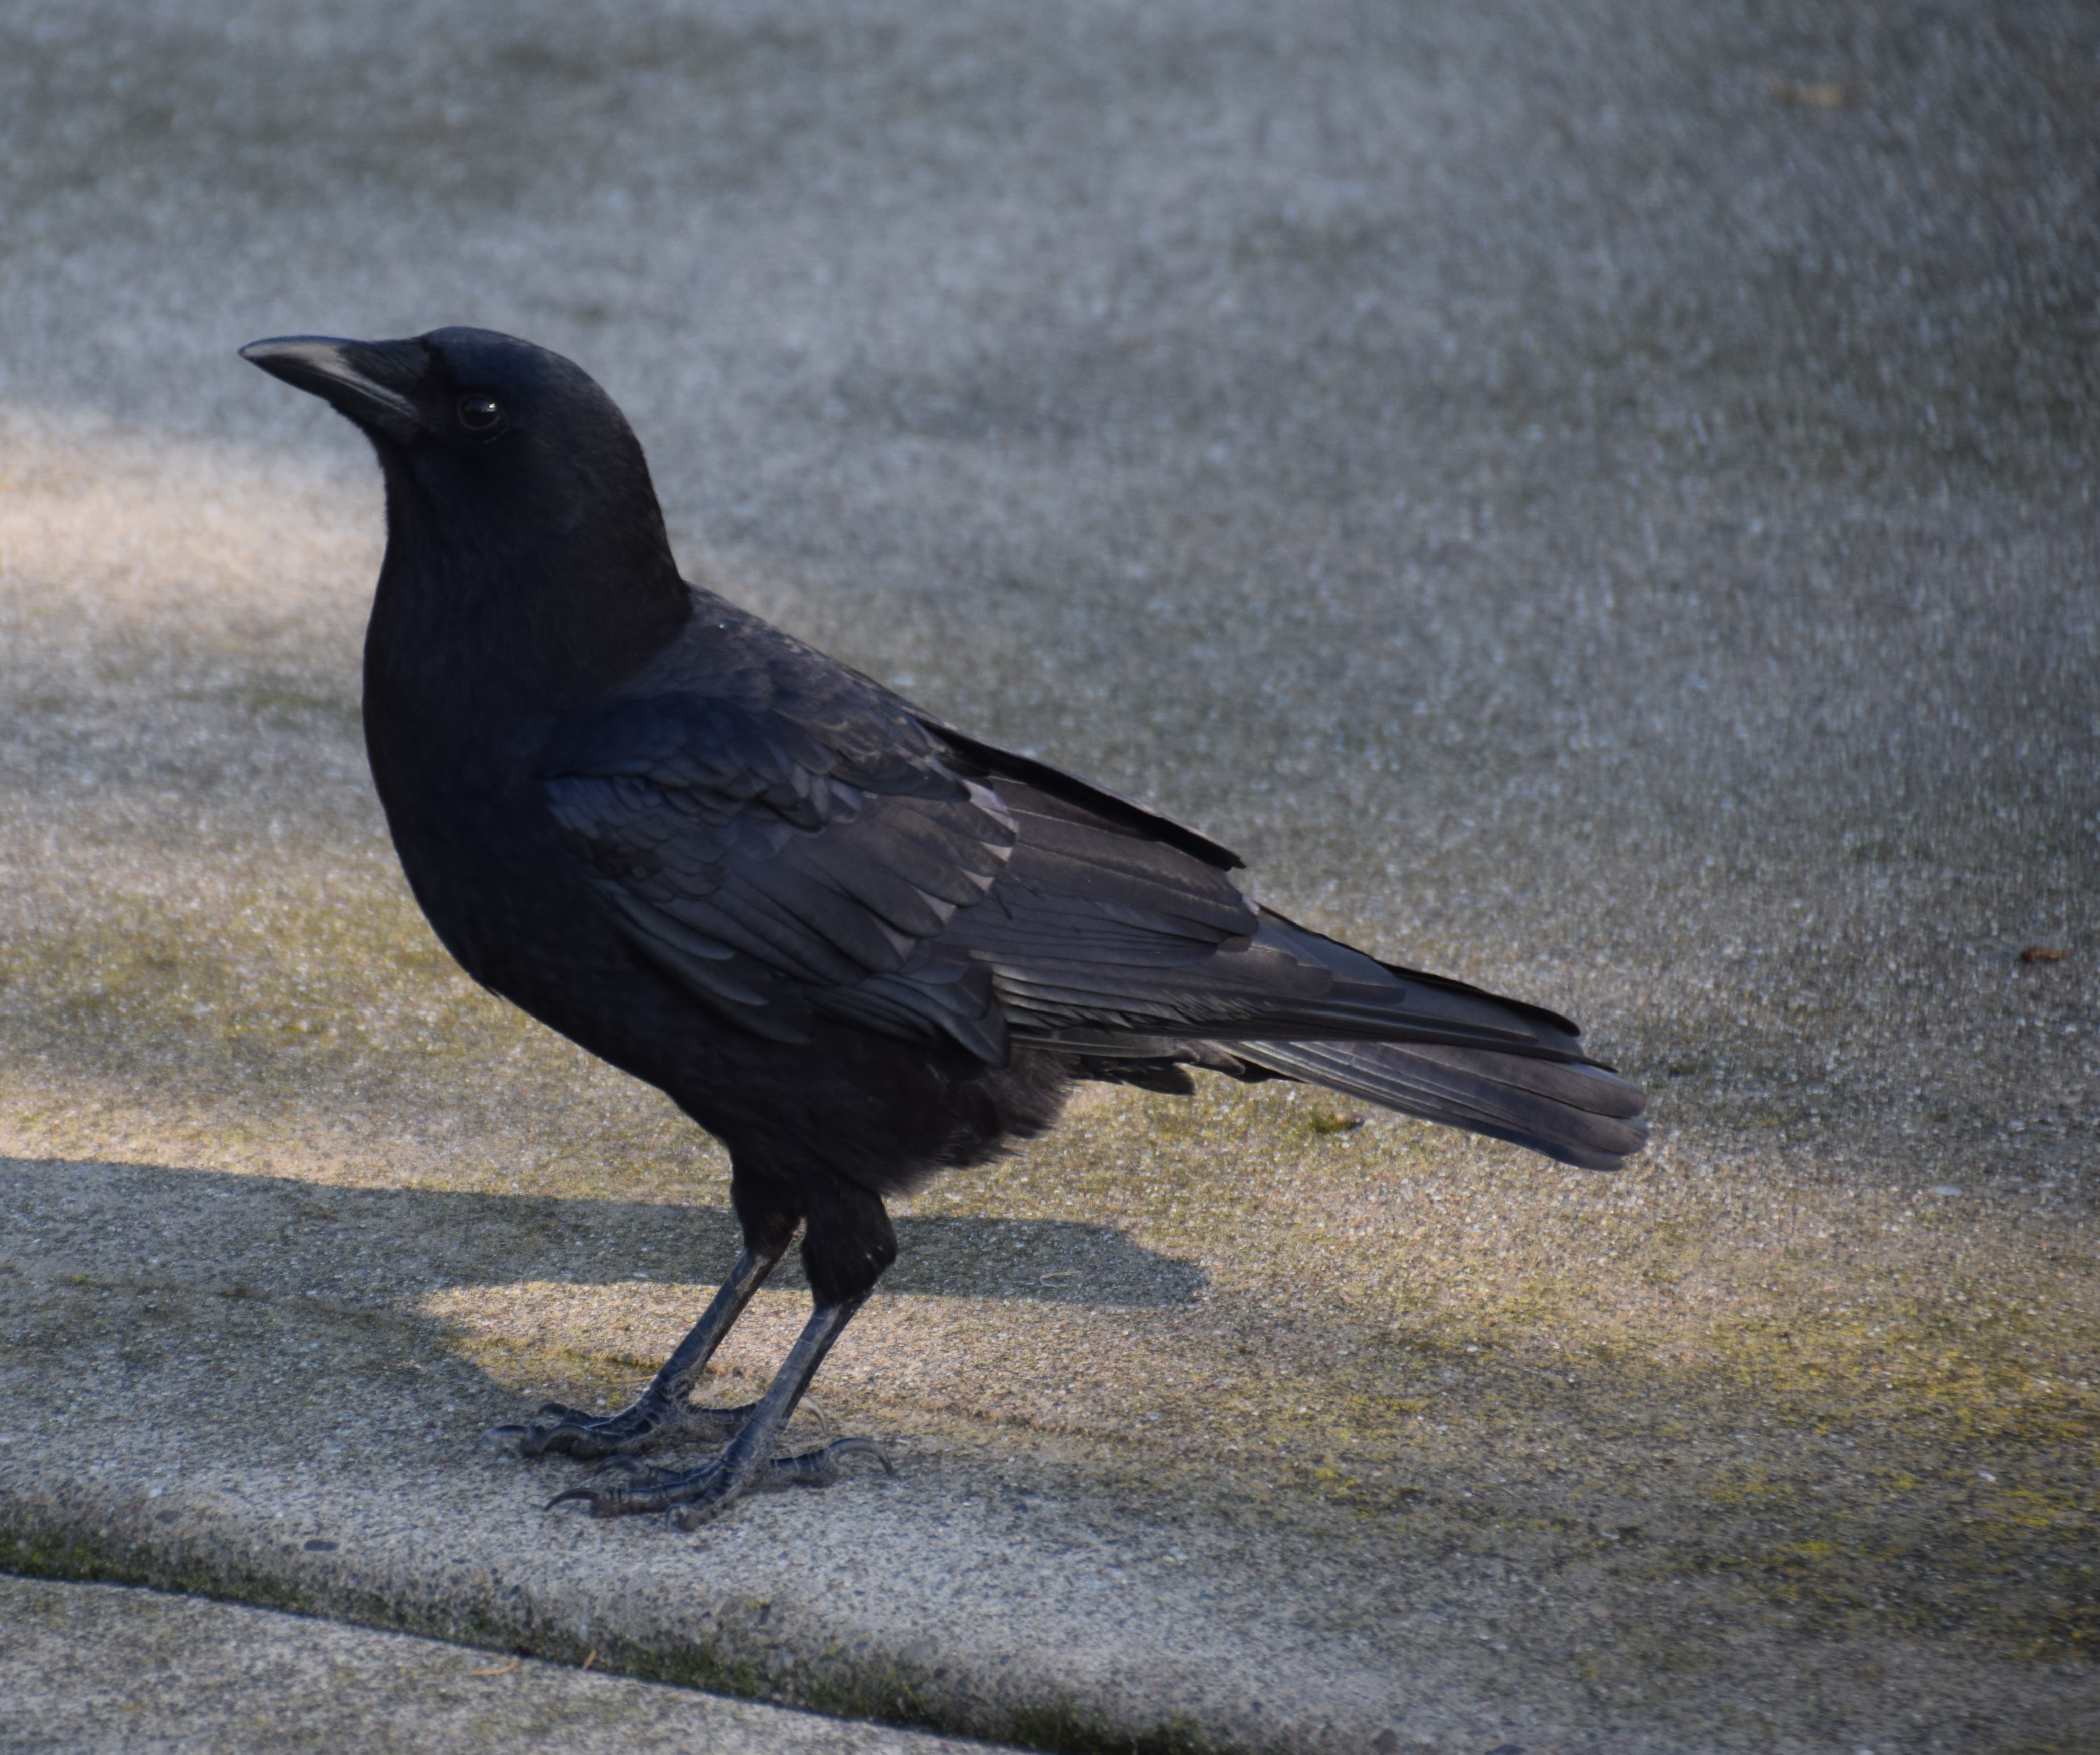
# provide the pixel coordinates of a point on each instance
(1594, 499)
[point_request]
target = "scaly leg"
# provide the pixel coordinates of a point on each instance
(661, 1412)
(702, 1494)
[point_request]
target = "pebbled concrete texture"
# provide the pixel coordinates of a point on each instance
(1593, 499)
(101, 1667)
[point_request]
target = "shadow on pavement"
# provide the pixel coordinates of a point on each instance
(366, 1244)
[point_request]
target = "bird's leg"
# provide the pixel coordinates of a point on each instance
(661, 1412)
(700, 1495)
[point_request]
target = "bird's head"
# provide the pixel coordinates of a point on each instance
(516, 494)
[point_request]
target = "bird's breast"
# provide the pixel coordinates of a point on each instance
(458, 784)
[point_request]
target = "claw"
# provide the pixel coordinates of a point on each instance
(820, 1468)
(567, 1440)
(864, 1447)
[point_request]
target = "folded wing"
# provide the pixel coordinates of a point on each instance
(800, 843)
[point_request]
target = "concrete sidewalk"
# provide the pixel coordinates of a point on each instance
(99, 1667)
(1594, 500)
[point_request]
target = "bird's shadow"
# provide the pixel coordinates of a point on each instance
(269, 1233)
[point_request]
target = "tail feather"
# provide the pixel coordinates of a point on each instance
(1578, 1113)
(1293, 1003)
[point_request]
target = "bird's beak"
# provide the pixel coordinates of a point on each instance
(366, 381)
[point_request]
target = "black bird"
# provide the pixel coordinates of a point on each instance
(857, 945)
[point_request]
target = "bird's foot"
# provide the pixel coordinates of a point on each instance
(699, 1496)
(656, 1418)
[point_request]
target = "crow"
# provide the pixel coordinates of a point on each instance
(856, 945)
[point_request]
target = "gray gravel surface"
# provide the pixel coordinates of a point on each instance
(1594, 498)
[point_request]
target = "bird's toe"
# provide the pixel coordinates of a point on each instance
(820, 1467)
(559, 1429)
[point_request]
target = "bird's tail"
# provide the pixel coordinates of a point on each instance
(1295, 1004)
(1574, 1111)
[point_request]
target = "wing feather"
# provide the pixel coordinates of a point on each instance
(787, 839)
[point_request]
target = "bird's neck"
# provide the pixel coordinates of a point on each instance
(468, 618)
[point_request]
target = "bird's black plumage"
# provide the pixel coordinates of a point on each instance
(855, 943)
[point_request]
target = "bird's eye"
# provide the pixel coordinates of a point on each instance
(480, 413)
